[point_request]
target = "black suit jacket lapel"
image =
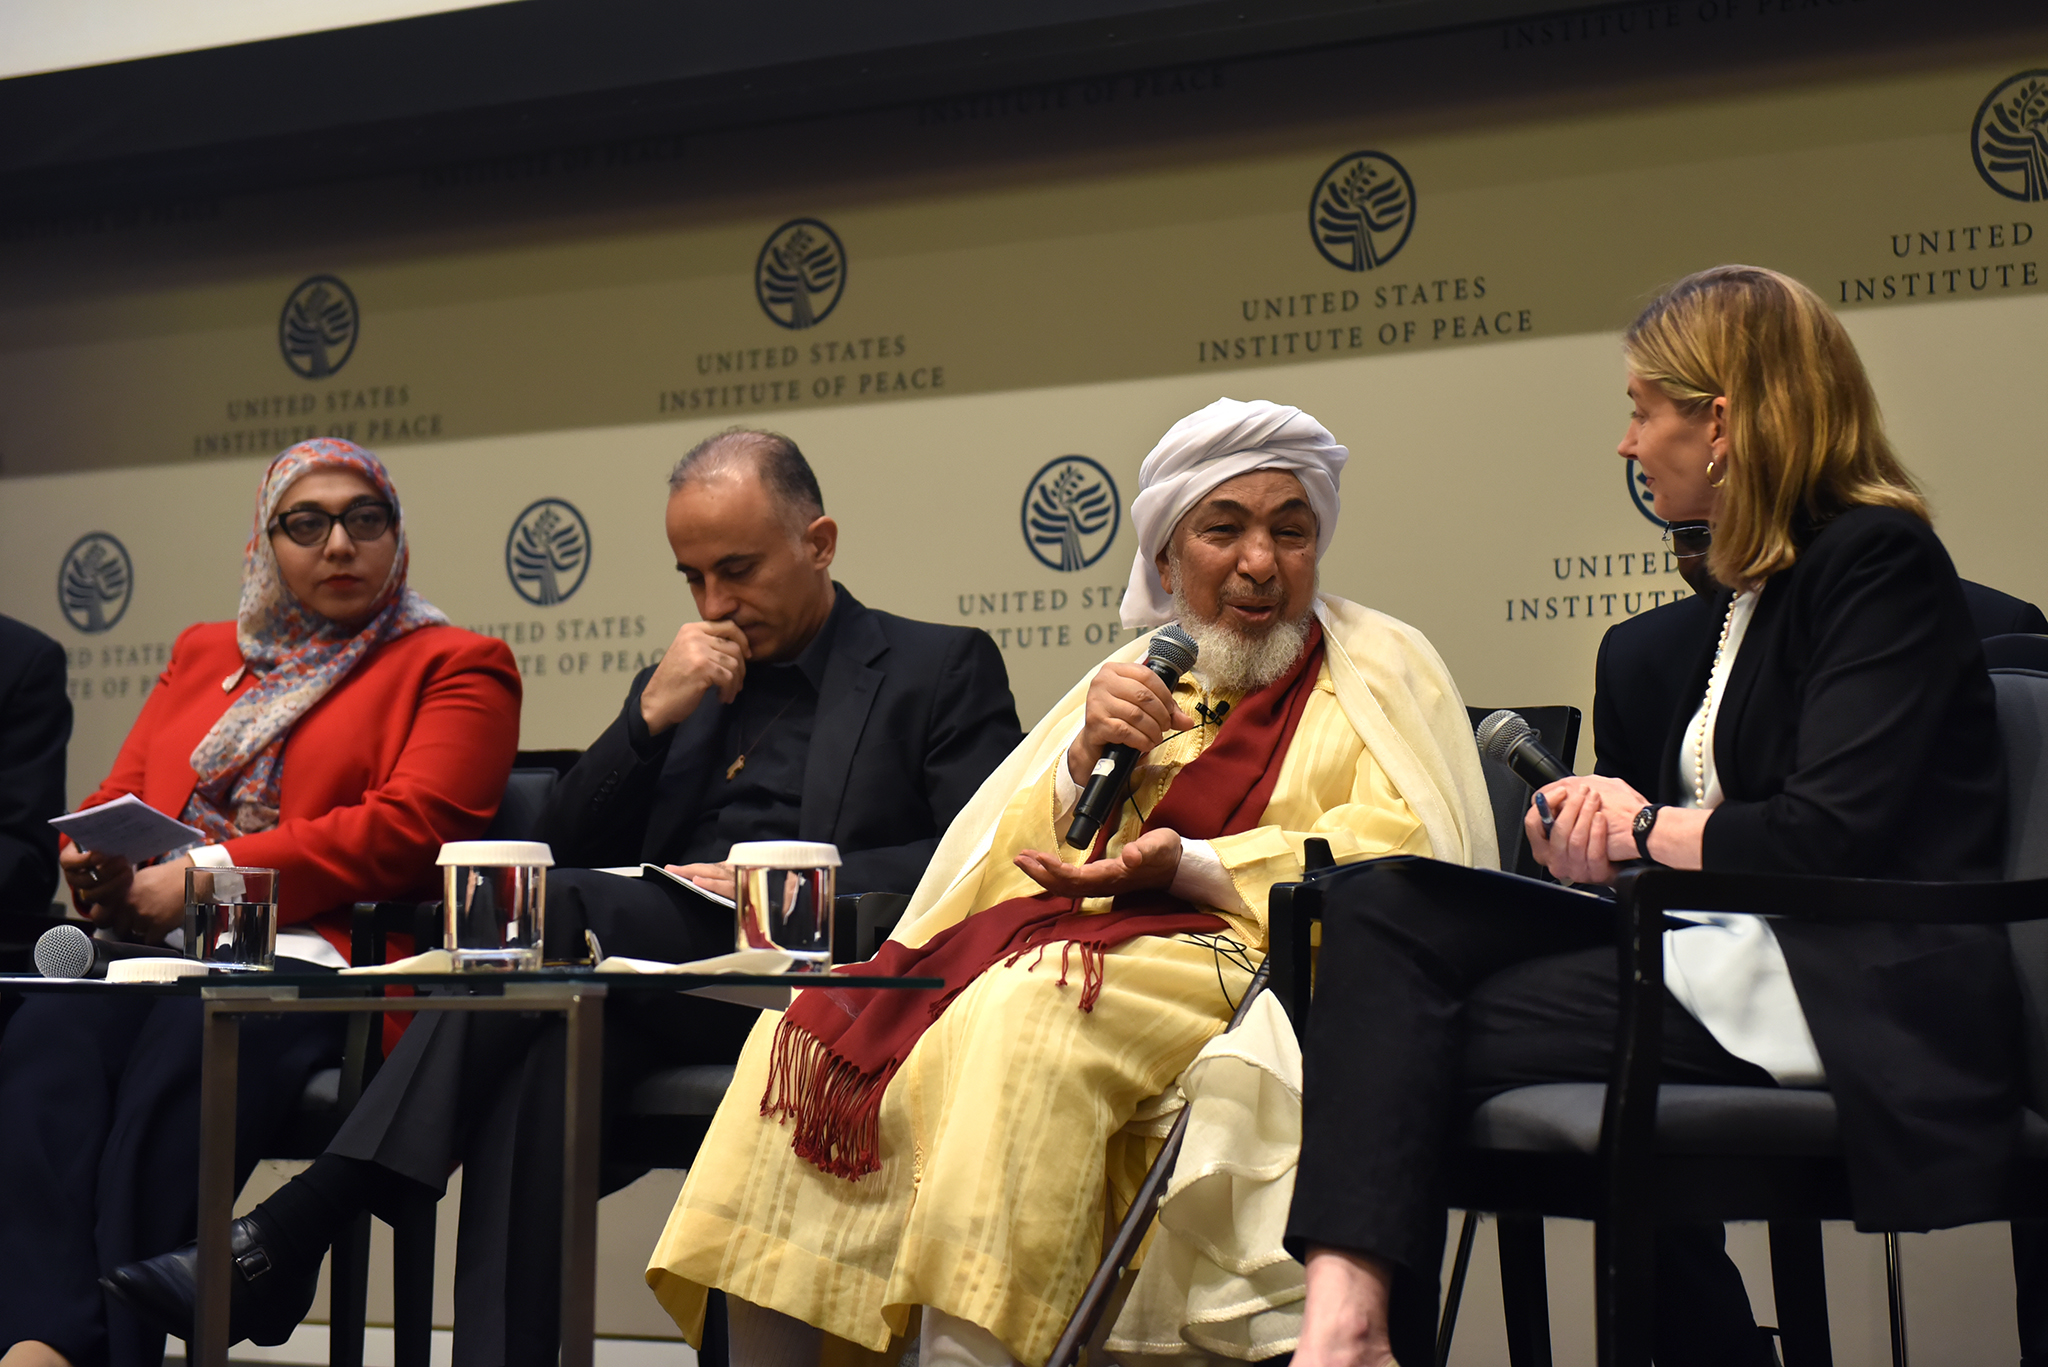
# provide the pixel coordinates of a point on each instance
(1758, 640)
(693, 755)
(848, 693)
(1668, 789)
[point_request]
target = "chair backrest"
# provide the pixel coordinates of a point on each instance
(519, 811)
(1559, 729)
(2023, 726)
(2019, 651)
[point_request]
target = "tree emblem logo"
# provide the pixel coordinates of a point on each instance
(94, 583)
(1639, 493)
(1362, 211)
(2010, 137)
(800, 274)
(1071, 513)
(317, 330)
(548, 553)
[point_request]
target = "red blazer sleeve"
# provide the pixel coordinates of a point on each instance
(444, 771)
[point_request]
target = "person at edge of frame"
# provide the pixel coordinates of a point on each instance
(1840, 721)
(339, 730)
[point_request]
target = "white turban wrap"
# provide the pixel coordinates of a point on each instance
(1212, 447)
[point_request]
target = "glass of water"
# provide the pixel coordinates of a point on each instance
(231, 918)
(785, 890)
(496, 902)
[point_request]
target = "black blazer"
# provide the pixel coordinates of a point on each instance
(35, 726)
(1859, 737)
(1639, 684)
(1647, 664)
(911, 718)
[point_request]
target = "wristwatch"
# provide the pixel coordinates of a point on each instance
(1645, 822)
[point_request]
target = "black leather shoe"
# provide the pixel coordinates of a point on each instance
(267, 1296)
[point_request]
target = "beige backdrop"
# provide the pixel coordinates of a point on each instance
(1061, 317)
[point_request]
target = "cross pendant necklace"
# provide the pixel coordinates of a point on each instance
(732, 771)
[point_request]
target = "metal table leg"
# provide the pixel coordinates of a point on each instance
(220, 1058)
(583, 1079)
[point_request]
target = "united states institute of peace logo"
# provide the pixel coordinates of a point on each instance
(1362, 211)
(2010, 137)
(1071, 513)
(1639, 493)
(547, 553)
(317, 330)
(800, 274)
(95, 580)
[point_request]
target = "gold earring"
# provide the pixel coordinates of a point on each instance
(1713, 483)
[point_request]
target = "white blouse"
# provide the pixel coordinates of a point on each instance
(1729, 971)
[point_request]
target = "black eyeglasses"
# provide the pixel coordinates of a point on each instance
(312, 526)
(1689, 540)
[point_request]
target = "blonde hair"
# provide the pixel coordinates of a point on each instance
(1805, 439)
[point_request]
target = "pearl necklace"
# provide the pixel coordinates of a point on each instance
(1699, 735)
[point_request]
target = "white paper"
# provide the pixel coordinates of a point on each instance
(740, 961)
(429, 961)
(128, 827)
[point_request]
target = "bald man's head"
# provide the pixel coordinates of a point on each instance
(769, 457)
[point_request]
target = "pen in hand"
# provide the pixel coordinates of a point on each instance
(1548, 817)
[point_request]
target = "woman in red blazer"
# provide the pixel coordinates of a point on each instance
(339, 730)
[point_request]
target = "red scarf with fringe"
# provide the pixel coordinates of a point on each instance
(837, 1048)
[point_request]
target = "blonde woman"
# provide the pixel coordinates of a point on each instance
(1839, 723)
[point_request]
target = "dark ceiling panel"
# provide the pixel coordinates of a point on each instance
(543, 75)
(550, 72)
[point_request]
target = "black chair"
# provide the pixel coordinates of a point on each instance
(1629, 1153)
(333, 1092)
(2018, 651)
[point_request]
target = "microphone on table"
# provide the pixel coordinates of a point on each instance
(68, 952)
(1172, 651)
(1507, 737)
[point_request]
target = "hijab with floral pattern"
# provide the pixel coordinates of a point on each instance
(295, 654)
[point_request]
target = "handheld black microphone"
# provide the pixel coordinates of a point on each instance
(1172, 651)
(69, 952)
(1507, 737)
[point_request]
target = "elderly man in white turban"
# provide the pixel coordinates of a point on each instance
(959, 1151)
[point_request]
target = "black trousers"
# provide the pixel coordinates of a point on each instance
(99, 1138)
(484, 1092)
(1438, 988)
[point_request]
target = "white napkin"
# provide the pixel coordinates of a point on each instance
(433, 961)
(153, 970)
(741, 961)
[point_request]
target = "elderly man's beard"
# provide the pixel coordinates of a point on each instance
(1238, 662)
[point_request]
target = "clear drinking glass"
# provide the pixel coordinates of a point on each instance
(231, 918)
(495, 898)
(785, 890)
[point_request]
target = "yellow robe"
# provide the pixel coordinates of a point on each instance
(1002, 1132)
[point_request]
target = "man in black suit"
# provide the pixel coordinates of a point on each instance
(35, 725)
(789, 712)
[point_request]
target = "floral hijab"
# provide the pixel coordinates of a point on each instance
(296, 654)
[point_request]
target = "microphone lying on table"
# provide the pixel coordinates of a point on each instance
(1508, 738)
(69, 952)
(1171, 652)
